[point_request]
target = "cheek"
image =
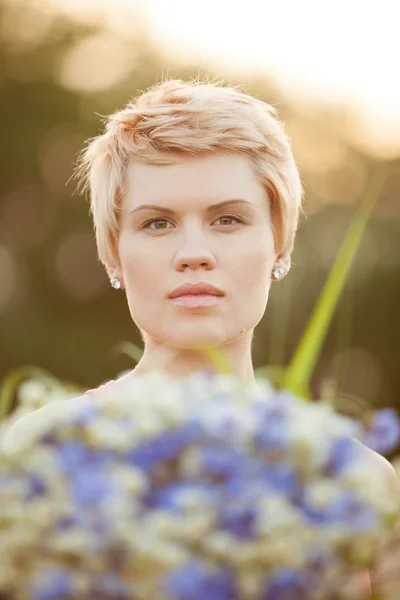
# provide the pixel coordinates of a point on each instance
(253, 265)
(141, 269)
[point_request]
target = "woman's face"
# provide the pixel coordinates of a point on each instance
(187, 238)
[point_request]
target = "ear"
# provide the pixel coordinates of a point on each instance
(115, 272)
(283, 260)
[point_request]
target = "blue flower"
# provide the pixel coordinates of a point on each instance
(86, 471)
(56, 586)
(49, 439)
(222, 461)
(354, 514)
(318, 515)
(244, 485)
(260, 478)
(66, 522)
(165, 447)
(273, 427)
(288, 584)
(73, 455)
(342, 454)
(344, 509)
(85, 518)
(282, 477)
(171, 497)
(384, 432)
(91, 486)
(37, 487)
(216, 419)
(320, 558)
(111, 587)
(239, 519)
(194, 582)
(242, 493)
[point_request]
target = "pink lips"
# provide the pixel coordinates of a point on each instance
(199, 294)
(196, 288)
(197, 300)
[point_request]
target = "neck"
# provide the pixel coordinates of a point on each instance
(178, 362)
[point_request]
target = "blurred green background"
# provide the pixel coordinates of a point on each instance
(60, 70)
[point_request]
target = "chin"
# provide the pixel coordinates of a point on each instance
(190, 337)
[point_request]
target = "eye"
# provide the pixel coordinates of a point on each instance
(230, 217)
(147, 225)
(164, 222)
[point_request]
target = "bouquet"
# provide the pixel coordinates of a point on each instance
(203, 487)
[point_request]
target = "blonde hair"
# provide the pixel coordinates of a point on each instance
(189, 118)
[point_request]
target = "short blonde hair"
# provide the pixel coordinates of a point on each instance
(189, 118)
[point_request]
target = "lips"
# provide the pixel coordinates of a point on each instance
(197, 300)
(197, 289)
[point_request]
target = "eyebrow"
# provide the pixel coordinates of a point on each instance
(210, 208)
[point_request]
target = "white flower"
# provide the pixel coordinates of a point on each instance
(321, 493)
(371, 484)
(277, 514)
(32, 392)
(314, 427)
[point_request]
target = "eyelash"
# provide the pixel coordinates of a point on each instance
(146, 225)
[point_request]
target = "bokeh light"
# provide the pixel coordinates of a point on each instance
(77, 268)
(95, 63)
(27, 215)
(57, 157)
(20, 31)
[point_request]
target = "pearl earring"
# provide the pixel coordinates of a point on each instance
(278, 273)
(116, 283)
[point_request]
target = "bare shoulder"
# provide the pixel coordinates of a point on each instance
(384, 471)
(384, 572)
(104, 386)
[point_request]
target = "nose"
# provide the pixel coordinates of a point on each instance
(194, 253)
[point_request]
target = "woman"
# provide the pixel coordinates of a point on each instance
(216, 167)
(195, 197)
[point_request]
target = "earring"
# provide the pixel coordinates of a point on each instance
(115, 283)
(278, 273)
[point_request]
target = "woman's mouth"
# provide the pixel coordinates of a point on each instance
(196, 300)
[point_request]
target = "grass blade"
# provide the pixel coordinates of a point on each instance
(298, 374)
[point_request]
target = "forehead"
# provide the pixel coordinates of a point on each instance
(201, 178)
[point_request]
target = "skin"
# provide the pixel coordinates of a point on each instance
(231, 247)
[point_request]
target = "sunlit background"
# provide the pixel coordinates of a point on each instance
(330, 68)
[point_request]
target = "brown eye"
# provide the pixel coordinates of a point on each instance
(147, 225)
(230, 218)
